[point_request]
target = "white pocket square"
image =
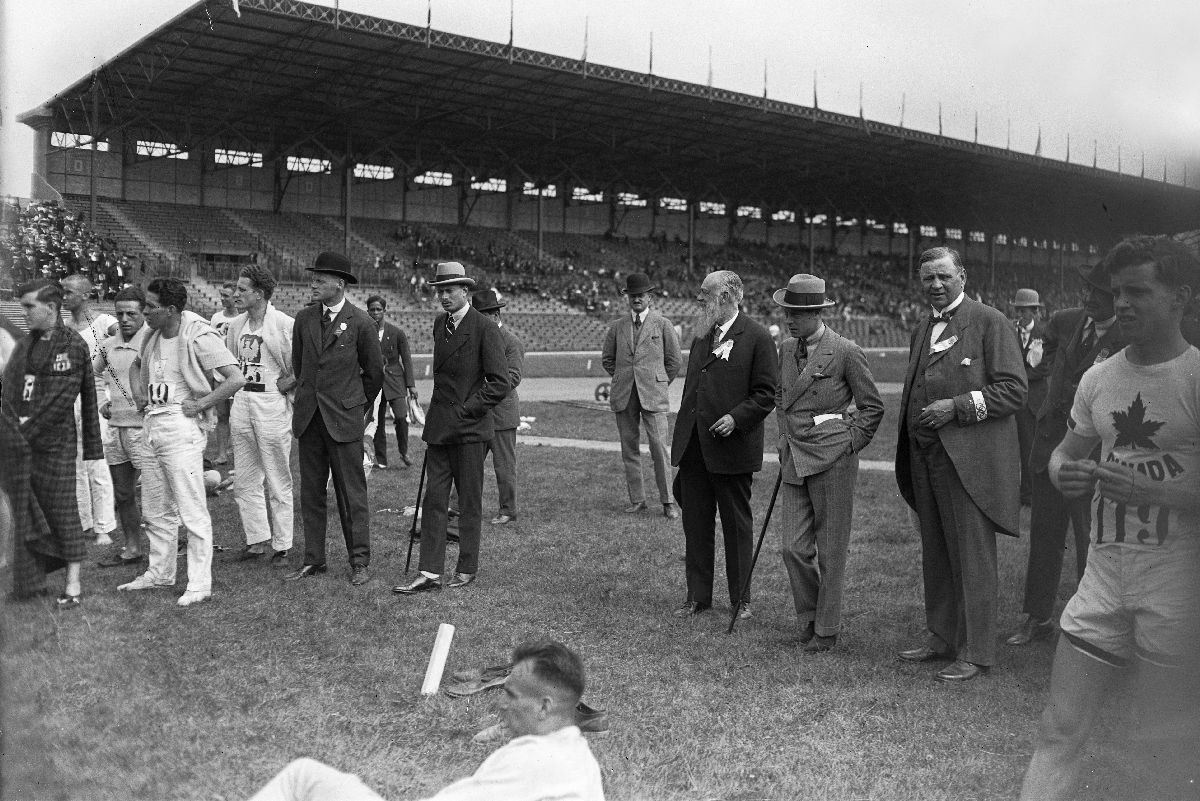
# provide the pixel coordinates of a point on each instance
(966, 362)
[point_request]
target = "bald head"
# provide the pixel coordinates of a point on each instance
(77, 290)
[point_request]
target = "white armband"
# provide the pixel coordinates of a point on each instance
(980, 405)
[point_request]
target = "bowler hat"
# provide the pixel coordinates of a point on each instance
(1026, 297)
(1094, 276)
(637, 284)
(451, 272)
(335, 264)
(803, 291)
(487, 300)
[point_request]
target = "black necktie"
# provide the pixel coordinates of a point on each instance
(716, 335)
(326, 318)
(637, 323)
(943, 316)
(449, 327)
(1089, 336)
(801, 349)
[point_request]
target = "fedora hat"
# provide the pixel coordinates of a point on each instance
(451, 272)
(1026, 297)
(637, 284)
(1094, 276)
(335, 264)
(487, 300)
(803, 291)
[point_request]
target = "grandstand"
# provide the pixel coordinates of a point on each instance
(230, 152)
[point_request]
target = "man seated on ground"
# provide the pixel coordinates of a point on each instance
(548, 758)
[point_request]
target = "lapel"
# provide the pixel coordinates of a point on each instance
(958, 324)
(732, 334)
(631, 333)
(818, 361)
(445, 348)
(338, 319)
(921, 344)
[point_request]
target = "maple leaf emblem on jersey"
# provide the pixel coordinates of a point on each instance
(1133, 429)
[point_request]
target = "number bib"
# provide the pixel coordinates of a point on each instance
(158, 393)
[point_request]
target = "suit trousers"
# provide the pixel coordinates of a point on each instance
(958, 559)
(1051, 514)
(815, 527)
(461, 465)
(702, 496)
(321, 454)
(260, 430)
(629, 423)
(399, 406)
(504, 461)
(1026, 423)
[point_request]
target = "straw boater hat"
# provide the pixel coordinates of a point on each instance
(637, 284)
(451, 272)
(335, 264)
(803, 291)
(487, 300)
(1026, 297)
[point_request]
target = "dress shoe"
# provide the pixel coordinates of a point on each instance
(960, 671)
(193, 597)
(279, 559)
(307, 571)
(690, 609)
(65, 601)
(808, 632)
(460, 580)
(359, 575)
(421, 583)
(406, 460)
(451, 514)
(502, 520)
(670, 511)
(590, 720)
(120, 560)
(634, 508)
(251, 553)
(819, 644)
(1032, 629)
(744, 611)
(923, 654)
(497, 732)
(381, 466)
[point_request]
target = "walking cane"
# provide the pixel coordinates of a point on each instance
(746, 581)
(412, 532)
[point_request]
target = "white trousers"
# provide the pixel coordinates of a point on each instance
(93, 484)
(309, 780)
(173, 494)
(260, 428)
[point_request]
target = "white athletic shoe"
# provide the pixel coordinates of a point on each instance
(145, 582)
(193, 597)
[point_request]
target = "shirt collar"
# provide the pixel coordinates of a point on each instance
(640, 317)
(135, 343)
(458, 316)
(337, 309)
(816, 335)
(724, 327)
(1102, 326)
(957, 302)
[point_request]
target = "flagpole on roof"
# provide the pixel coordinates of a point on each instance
(939, 118)
(429, 23)
(337, 13)
(710, 72)
(1008, 138)
(764, 79)
(1068, 147)
(511, 14)
(816, 105)
(1095, 151)
(586, 20)
(903, 100)
(1037, 148)
(976, 126)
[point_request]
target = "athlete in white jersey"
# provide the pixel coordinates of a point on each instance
(221, 320)
(1138, 603)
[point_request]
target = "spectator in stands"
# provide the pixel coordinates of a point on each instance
(641, 354)
(175, 388)
(220, 321)
(506, 415)
(125, 449)
(49, 369)
(470, 376)
(1031, 332)
(399, 383)
(260, 416)
(334, 399)
(548, 757)
(93, 481)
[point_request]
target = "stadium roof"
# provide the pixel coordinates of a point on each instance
(290, 78)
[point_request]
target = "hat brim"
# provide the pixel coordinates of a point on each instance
(492, 307)
(342, 274)
(451, 281)
(628, 291)
(1025, 305)
(779, 301)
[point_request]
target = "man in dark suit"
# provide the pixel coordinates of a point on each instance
(958, 464)
(1031, 333)
(718, 440)
(398, 383)
(339, 369)
(470, 376)
(506, 416)
(1076, 339)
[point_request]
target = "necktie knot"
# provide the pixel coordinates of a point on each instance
(326, 318)
(943, 316)
(801, 349)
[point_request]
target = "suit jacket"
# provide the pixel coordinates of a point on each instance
(397, 363)
(507, 413)
(648, 360)
(470, 376)
(743, 386)
(835, 374)
(985, 356)
(1041, 348)
(339, 373)
(1071, 361)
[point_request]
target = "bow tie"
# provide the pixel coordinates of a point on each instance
(942, 316)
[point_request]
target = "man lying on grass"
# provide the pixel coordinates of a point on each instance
(548, 758)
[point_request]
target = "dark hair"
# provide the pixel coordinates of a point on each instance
(1173, 261)
(933, 254)
(229, 285)
(170, 291)
(377, 299)
(47, 291)
(131, 293)
(260, 278)
(553, 663)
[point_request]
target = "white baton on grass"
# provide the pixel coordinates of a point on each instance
(437, 660)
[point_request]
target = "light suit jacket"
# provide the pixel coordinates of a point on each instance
(650, 361)
(835, 374)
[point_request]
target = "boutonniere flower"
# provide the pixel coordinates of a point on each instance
(722, 351)
(341, 328)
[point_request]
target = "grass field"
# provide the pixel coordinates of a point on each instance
(131, 697)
